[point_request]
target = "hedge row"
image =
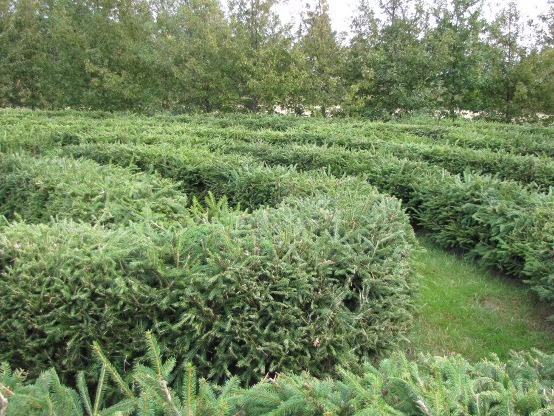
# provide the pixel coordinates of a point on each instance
(486, 217)
(242, 180)
(521, 168)
(306, 285)
(357, 135)
(522, 385)
(35, 131)
(498, 240)
(524, 169)
(506, 225)
(522, 140)
(518, 139)
(38, 189)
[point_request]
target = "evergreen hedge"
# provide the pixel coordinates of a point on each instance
(199, 171)
(38, 189)
(521, 385)
(34, 131)
(436, 199)
(507, 166)
(505, 224)
(306, 285)
(508, 138)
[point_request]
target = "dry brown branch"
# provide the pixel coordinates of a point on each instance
(3, 405)
(165, 389)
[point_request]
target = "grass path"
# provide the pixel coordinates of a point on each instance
(468, 310)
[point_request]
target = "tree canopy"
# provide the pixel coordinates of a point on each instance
(202, 55)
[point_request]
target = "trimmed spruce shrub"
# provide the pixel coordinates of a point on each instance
(504, 224)
(38, 189)
(427, 385)
(306, 285)
(243, 181)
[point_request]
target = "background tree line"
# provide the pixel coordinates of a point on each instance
(200, 55)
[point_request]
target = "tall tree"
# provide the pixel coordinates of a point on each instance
(24, 53)
(322, 57)
(260, 55)
(120, 58)
(506, 78)
(195, 38)
(455, 49)
(389, 50)
(540, 62)
(548, 19)
(358, 73)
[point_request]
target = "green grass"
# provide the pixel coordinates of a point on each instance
(468, 310)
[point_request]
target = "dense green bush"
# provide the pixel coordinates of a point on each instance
(37, 189)
(507, 166)
(242, 180)
(37, 131)
(524, 140)
(516, 139)
(522, 385)
(306, 285)
(389, 174)
(524, 169)
(498, 221)
(504, 224)
(425, 190)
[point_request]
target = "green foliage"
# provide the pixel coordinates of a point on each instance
(506, 226)
(502, 223)
(315, 276)
(199, 73)
(200, 55)
(199, 170)
(36, 190)
(427, 386)
(240, 179)
(457, 160)
(384, 52)
(70, 284)
(261, 54)
(508, 82)
(309, 283)
(321, 59)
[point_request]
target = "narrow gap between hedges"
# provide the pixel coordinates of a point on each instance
(467, 309)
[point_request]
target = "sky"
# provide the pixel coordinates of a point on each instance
(342, 10)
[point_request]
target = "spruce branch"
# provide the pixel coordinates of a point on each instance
(99, 390)
(190, 380)
(113, 372)
(154, 354)
(83, 391)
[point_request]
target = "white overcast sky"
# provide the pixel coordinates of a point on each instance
(341, 11)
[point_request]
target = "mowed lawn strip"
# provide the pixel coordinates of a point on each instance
(468, 310)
